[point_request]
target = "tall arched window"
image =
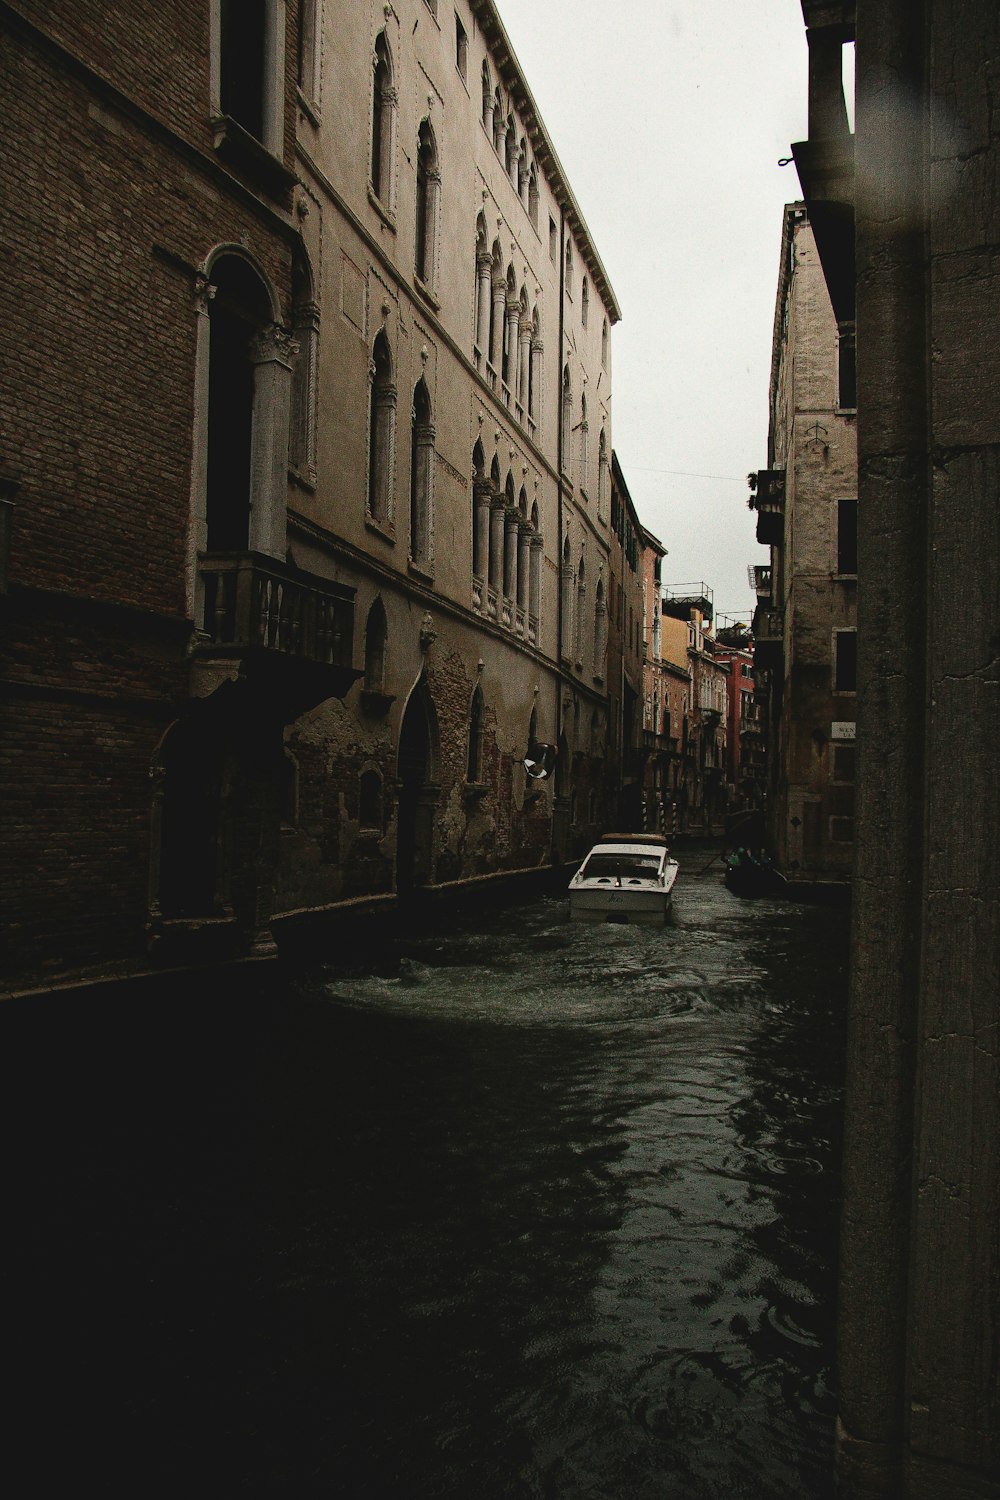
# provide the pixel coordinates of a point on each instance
(567, 421)
(498, 302)
(567, 599)
(428, 194)
(474, 762)
(600, 629)
(383, 121)
(581, 609)
(245, 460)
(604, 344)
(535, 366)
(533, 196)
(498, 121)
(483, 275)
(585, 302)
(569, 269)
(421, 476)
(487, 100)
(375, 640)
(603, 476)
(305, 328)
(522, 170)
(381, 432)
(510, 150)
(584, 443)
(510, 322)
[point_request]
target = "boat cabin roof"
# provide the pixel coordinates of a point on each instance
(655, 839)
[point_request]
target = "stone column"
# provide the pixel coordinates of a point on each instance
(511, 522)
(496, 331)
(483, 292)
(510, 363)
(523, 561)
(497, 507)
(272, 354)
(536, 379)
(535, 578)
(481, 492)
(524, 362)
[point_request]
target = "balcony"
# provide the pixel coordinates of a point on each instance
(769, 637)
(762, 581)
(769, 502)
(293, 631)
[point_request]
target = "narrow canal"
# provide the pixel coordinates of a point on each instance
(526, 1210)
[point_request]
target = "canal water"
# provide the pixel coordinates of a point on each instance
(530, 1209)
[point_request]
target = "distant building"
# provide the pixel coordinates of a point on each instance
(805, 624)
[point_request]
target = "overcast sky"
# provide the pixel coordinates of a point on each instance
(670, 117)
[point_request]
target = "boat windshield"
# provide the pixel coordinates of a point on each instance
(622, 867)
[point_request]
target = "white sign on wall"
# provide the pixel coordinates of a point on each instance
(842, 729)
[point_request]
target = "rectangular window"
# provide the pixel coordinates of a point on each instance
(843, 763)
(846, 661)
(461, 47)
(553, 241)
(847, 536)
(847, 368)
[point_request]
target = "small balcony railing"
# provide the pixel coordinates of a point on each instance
(762, 581)
(250, 600)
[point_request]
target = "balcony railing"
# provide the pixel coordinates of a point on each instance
(762, 581)
(255, 601)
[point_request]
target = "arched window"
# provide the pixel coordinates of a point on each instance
(375, 640)
(381, 432)
(510, 150)
(604, 344)
(600, 629)
(522, 170)
(428, 194)
(483, 278)
(370, 800)
(581, 609)
(498, 121)
(474, 764)
(480, 522)
(383, 121)
(535, 366)
(584, 443)
(487, 100)
(569, 269)
(603, 476)
(245, 458)
(567, 421)
(510, 322)
(533, 196)
(535, 576)
(585, 302)
(305, 329)
(421, 476)
(498, 301)
(567, 599)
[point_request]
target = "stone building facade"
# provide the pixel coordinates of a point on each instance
(805, 624)
(625, 685)
(907, 223)
(307, 491)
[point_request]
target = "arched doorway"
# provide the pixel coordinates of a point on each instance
(418, 790)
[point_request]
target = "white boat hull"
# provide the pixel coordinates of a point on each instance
(624, 879)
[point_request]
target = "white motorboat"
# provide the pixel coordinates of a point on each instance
(626, 877)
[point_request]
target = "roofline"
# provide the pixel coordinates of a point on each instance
(509, 68)
(791, 214)
(617, 477)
